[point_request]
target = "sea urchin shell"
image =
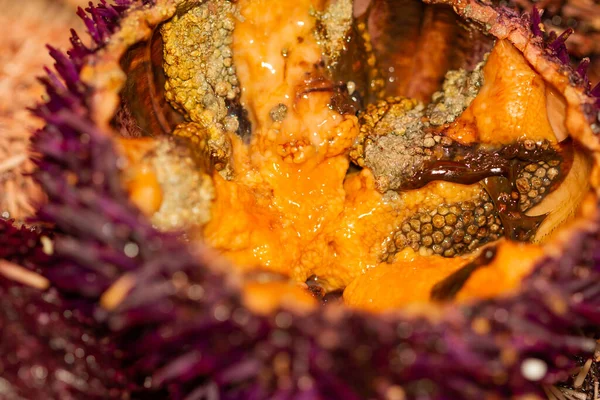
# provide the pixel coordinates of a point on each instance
(171, 316)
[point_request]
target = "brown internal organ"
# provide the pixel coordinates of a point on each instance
(455, 229)
(471, 164)
(513, 182)
(512, 146)
(507, 120)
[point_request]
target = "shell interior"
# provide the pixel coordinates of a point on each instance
(390, 151)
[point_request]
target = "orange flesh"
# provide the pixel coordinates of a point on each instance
(292, 209)
(266, 297)
(510, 106)
(289, 183)
(392, 286)
(142, 183)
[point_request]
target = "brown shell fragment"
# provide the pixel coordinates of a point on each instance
(416, 44)
(144, 109)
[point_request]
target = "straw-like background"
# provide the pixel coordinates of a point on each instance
(27, 26)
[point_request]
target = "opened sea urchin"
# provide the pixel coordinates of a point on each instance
(217, 169)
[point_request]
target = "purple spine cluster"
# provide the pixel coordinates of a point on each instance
(557, 47)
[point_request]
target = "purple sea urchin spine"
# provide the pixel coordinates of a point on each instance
(21, 245)
(180, 325)
(48, 354)
(536, 22)
(557, 47)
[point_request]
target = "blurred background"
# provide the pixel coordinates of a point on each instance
(27, 26)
